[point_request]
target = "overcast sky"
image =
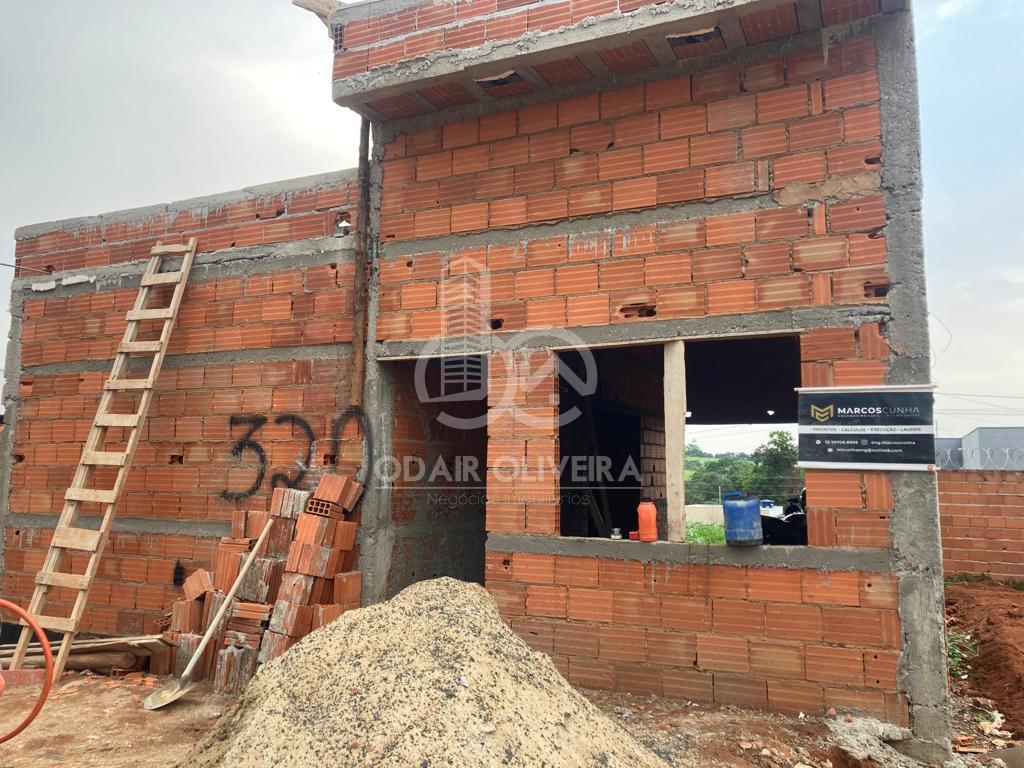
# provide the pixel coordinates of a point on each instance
(120, 103)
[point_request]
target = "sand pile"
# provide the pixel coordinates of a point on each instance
(431, 678)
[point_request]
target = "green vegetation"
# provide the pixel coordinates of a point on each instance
(705, 533)
(982, 578)
(961, 649)
(770, 473)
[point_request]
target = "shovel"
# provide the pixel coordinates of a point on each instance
(175, 689)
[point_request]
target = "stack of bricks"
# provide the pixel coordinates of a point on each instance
(301, 578)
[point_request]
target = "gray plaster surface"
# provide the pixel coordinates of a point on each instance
(200, 359)
(205, 528)
(230, 262)
(914, 523)
(206, 203)
(376, 531)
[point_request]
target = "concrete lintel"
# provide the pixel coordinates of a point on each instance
(230, 262)
(204, 528)
(201, 359)
(203, 203)
(817, 558)
(777, 322)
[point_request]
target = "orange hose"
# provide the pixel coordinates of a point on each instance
(47, 655)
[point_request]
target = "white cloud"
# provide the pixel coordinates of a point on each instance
(950, 8)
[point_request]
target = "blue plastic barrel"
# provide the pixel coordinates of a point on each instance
(742, 520)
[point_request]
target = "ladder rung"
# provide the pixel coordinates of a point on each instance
(82, 539)
(56, 579)
(122, 384)
(104, 458)
(163, 313)
(116, 419)
(139, 346)
(90, 494)
(162, 278)
(56, 623)
(162, 250)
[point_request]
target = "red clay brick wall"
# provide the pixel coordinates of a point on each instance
(522, 444)
(191, 464)
(436, 26)
(275, 218)
(982, 515)
(784, 639)
(277, 309)
(796, 121)
(788, 640)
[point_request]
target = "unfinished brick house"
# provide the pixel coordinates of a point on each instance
(590, 222)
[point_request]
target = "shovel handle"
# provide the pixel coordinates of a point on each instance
(215, 624)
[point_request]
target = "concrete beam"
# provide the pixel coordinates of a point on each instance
(209, 202)
(202, 528)
(230, 262)
(817, 558)
(775, 323)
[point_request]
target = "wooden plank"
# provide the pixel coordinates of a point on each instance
(91, 494)
(81, 539)
(161, 278)
(161, 313)
(117, 419)
(121, 385)
(169, 250)
(103, 458)
(142, 645)
(127, 347)
(56, 623)
(57, 579)
(675, 439)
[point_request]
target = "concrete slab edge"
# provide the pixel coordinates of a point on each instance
(822, 559)
(202, 203)
(777, 322)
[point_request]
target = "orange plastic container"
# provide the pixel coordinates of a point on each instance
(647, 514)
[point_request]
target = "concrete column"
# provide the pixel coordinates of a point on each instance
(675, 439)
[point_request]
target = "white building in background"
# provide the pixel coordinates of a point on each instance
(982, 448)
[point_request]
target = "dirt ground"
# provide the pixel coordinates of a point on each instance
(993, 615)
(93, 722)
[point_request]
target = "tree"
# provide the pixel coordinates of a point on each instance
(692, 449)
(775, 474)
(718, 475)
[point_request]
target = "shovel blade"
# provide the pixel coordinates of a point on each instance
(173, 691)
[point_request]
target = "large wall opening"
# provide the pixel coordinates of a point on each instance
(612, 433)
(437, 468)
(612, 438)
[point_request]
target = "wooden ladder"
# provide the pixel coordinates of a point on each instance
(67, 536)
